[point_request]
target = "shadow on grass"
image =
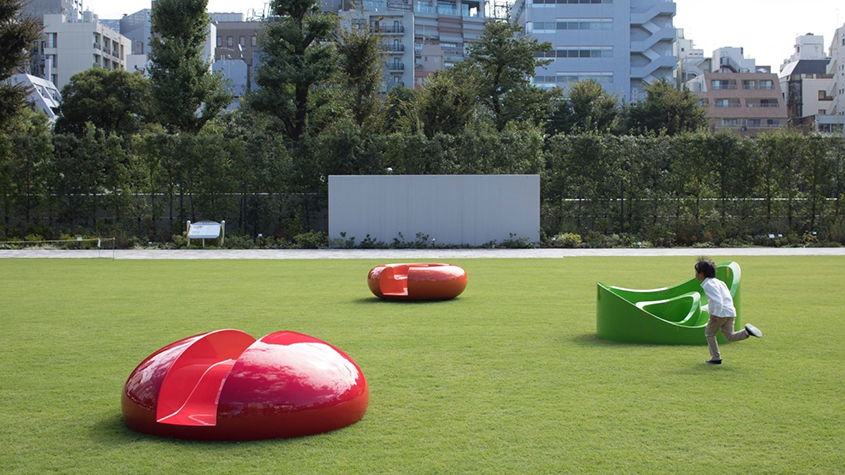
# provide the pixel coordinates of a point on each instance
(590, 339)
(376, 300)
(112, 431)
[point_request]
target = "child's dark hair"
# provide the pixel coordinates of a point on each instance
(706, 267)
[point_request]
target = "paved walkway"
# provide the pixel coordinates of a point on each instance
(418, 254)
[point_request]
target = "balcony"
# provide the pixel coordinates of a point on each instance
(393, 48)
(762, 104)
(394, 67)
(395, 29)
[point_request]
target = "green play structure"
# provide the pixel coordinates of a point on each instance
(672, 316)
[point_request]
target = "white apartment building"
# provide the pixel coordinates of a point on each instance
(691, 60)
(43, 94)
(804, 81)
(622, 44)
(728, 59)
(834, 120)
(420, 36)
(72, 46)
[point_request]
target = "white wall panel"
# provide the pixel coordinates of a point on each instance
(452, 209)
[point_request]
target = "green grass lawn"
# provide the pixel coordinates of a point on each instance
(507, 378)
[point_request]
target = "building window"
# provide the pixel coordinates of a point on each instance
(753, 123)
(254, 41)
(242, 40)
(563, 2)
(219, 41)
(767, 84)
(230, 41)
(749, 84)
(729, 122)
(52, 40)
(582, 52)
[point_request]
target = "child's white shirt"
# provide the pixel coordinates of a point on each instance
(720, 303)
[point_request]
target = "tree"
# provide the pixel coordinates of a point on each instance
(185, 93)
(114, 101)
(505, 59)
(17, 33)
(666, 110)
(444, 106)
(586, 108)
(361, 70)
(298, 55)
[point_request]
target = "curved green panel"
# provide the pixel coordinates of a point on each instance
(673, 315)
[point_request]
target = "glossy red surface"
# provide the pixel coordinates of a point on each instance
(224, 385)
(417, 281)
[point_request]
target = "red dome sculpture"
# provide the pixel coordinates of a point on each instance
(417, 281)
(225, 385)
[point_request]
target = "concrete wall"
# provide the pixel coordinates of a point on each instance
(450, 209)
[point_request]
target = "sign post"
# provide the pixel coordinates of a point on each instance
(207, 230)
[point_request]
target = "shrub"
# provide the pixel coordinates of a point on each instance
(311, 240)
(570, 240)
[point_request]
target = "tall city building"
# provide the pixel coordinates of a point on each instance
(72, 46)
(691, 60)
(739, 95)
(622, 44)
(834, 120)
(804, 82)
(39, 8)
(237, 49)
(420, 36)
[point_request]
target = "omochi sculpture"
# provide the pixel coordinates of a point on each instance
(417, 281)
(675, 315)
(225, 385)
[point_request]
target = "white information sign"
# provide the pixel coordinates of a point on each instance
(204, 230)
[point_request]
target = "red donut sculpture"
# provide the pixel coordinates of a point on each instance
(417, 281)
(225, 385)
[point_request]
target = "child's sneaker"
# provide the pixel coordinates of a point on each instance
(753, 331)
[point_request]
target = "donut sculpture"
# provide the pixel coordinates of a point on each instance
(417, 281)
(225, 385)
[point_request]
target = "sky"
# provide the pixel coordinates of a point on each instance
(766, 29)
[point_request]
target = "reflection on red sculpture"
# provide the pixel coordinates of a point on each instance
(225, 385)
(417, 281)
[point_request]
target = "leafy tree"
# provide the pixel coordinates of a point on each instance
(666, 110)
(24, 167)
(185, 93)
(114, 101)
(17, 33)
(586, 108)
(396, 107)
(297, 57)
(444, 106)
(361, 71)
(505, 61)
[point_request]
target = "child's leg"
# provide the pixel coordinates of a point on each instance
(710, 331)
(728, 330)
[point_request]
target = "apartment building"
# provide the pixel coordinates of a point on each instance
(43, 94)
(746, 102)
(691, 60)
(833, 121)
(396, 29)
(236, 48)
(74, 45)
(804, 82)
(420, 36)
(39, 8)
(622, 44)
